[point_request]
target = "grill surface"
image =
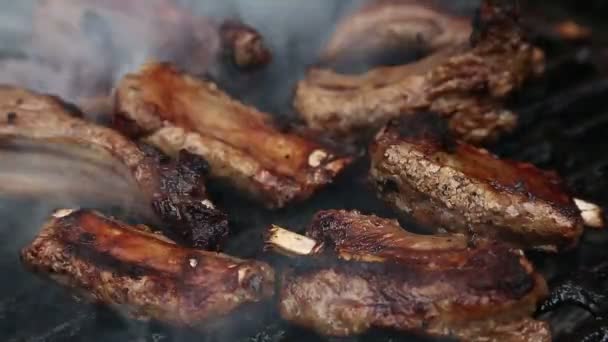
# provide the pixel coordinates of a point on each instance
(564, 121)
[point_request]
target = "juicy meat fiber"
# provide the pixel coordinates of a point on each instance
(174, 188)
(465, 83)
(389, 278)
(175, 111)
(142, 274)
(457, 187)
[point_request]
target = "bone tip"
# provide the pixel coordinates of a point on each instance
(592, 214)
(289, 243)
(63, 212)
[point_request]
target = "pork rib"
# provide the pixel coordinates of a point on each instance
(365, 272)
(451, 185)
(466, 83)
(175, 111)
(144, 275)
(174, 188)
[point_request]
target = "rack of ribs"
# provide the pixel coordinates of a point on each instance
(466, 83)
(176, 111)
(142, 274)
(358, 272)
(447, 184)
(175, 189)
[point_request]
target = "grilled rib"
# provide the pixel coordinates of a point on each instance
(144, 275)
(466, 84)
(451, 185)
(174, 189)
(175, 111)
(367, 272)
(393, 25)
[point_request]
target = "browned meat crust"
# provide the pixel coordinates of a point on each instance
(457, 187)
(244, 44)
(142, 274)
(465, 83)
(175, 111)
(393, 25)
(438, 286)
(175, 189)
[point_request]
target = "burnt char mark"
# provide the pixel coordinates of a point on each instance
(585, 289)
(11, 118)
(182, 203)
(327, 228)
(196, 224)
(181, 200)
(426, 127)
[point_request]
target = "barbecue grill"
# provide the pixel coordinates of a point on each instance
(563, 119)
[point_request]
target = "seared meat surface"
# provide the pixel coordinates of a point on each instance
(390, 26)
(466, 83)
(142, 274)
(175, 111)
(368, 272)
(450, 185)
(174, 188)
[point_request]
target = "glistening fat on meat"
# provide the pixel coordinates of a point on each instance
(144, 275)
(177, 111)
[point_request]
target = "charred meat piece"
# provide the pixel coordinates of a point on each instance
(175, 111)
(382, 26)
(142, 274)
(244, 44)
(174, 188)
(447, 184)
(585, 289)
(366, 272)
(466, 84)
